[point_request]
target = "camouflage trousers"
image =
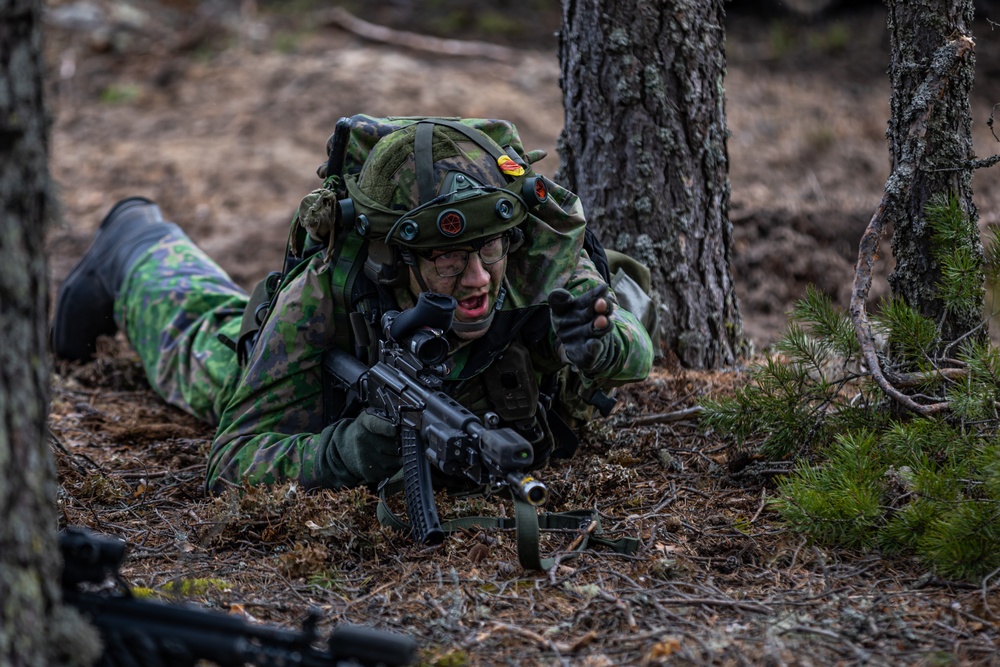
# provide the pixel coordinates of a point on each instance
(176, 305)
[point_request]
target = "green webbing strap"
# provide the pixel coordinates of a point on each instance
(587, 522)
(475, 135)
(527, 523)
(422, 152)
(253, 313)
(422, 142)
(346, 266)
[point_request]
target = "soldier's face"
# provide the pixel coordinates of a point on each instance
(475, 289)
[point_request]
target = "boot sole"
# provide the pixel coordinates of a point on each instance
(72, 336)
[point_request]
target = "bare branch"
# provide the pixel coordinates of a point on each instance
(450, 47)
(916, 379)
(666, 417)
(896, 190)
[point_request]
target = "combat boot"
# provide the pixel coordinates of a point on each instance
(85, 304)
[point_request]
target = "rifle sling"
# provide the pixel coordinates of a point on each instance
(527, 523)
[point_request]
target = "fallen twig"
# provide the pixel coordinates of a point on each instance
(666, 417)
(411, 40)
(715, 602)
(986, 598)
(57, 441)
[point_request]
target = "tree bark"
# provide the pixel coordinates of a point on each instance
(29, 562)
(919, 31)
(644, 145)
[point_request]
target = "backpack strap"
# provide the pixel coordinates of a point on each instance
(347, 263)
(597, 254)
(424, 161)
(254, 315)
(350, 329)
(475, 135)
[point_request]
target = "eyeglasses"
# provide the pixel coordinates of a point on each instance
(453, 262)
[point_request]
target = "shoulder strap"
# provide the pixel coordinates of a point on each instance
(350, 330)
(475, 135)
(254, 314)
(527, 523)
(346, 265)
(597, 254)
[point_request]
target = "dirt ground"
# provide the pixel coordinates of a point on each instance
(221, 115)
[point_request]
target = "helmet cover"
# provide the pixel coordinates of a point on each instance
(474, 192)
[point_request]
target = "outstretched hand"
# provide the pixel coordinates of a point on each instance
(582, 324)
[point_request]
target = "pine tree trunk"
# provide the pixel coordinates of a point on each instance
(29, 564)
(917, 30)
(644, 145)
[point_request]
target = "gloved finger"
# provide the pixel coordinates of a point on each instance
(592, 348)
(376, 424)
(581, 309)
(602, 320)
(587, 355)
(595, 302)
(560, 301)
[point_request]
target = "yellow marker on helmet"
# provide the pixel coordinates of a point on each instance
(509, 167)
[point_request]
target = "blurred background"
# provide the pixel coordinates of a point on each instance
(220, 111)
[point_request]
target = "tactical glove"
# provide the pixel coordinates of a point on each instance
(590, 349)
(363, 450)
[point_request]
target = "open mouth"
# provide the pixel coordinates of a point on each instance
(472, 308)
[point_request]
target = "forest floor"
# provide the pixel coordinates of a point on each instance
(222, 118)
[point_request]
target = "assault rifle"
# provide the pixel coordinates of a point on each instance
(176, 634)
(404, 386)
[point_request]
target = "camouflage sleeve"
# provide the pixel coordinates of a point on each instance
(633, 348)
(273, 429)
(555, 258)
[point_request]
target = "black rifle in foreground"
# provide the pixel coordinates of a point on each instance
(177, 634)
(404, 386)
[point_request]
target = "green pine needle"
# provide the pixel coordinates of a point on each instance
(869, 477)
(912, 337)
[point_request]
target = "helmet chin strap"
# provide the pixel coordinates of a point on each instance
(414, 271)
(473, 327)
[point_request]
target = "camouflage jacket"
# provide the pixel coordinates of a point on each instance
(274, 428)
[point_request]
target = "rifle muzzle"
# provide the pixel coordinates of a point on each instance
(528, 489)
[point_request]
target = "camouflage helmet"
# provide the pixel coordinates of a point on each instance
(434, 184)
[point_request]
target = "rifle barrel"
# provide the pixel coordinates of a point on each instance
(528, 488)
